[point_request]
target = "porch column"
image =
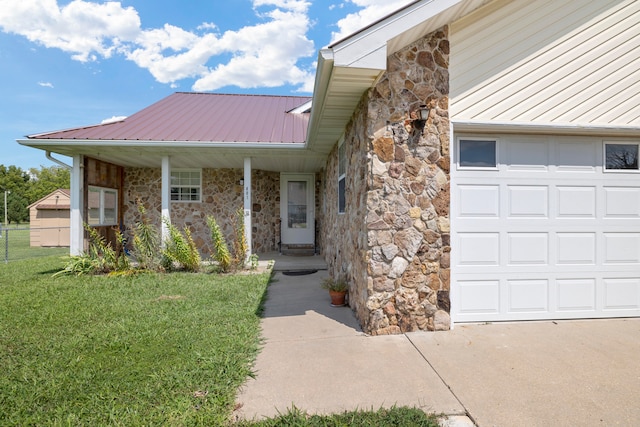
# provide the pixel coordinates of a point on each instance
(247, 203)
(76, 241)
(166, 198)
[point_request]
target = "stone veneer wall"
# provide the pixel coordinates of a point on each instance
(221, 197)
(393, 242)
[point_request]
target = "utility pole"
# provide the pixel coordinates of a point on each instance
(5, 207)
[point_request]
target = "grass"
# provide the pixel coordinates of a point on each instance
(19, 247)
(149, 349)
(140, 350)
(396, 416)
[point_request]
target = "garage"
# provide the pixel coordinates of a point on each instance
(544, 227)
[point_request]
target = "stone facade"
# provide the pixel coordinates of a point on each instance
(221, 198)
(392, 243)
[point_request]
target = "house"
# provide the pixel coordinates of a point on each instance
(516, 196)
(49, 219)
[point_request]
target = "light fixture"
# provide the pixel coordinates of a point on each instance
(421, 115)
(241, 181)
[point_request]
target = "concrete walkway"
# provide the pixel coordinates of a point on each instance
(520, 374)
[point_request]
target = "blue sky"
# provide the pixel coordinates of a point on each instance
(65, 64)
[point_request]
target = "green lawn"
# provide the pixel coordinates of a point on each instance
(141, 350)
(18, 245)
(150, 349)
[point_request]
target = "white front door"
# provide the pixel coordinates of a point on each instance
(297, 209)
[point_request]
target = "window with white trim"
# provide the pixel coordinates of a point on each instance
(102, 206)
(478, 153)
(342, 170)
(186, 185)
(621, 156)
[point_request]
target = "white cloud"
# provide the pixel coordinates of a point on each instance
(113, 119)
(371, 11)
(89, 31)
(46, 84)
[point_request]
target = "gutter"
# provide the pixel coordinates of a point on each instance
(157, 144)
(545, 128)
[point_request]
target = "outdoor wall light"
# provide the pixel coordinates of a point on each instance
(241, 181)
(422, 114)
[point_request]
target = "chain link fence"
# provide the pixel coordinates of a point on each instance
(23, 242)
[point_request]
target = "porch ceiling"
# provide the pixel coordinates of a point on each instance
(290, 157)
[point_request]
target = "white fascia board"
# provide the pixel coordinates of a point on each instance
(160, 144)
(544, 128)
(324, 71)
(368, 48)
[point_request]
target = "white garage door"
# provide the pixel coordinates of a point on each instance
(544, 228)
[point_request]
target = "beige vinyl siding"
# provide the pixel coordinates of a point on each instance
(547, 62)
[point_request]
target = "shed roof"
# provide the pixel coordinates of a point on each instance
(204, 117)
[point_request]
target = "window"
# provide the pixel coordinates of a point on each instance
(620, 156)
(342, 169)
(102, 206)
(186, 185)
(478, 153)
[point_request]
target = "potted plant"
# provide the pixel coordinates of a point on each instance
(337, 290)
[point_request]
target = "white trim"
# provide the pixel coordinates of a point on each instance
(166, 198)
(544, 128)
(161, 144)
(76, 244)
(247, 205)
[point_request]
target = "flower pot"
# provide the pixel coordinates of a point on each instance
(337, 298)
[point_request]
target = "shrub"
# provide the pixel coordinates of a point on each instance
(180, 250)
(220, 249)
(146, 242)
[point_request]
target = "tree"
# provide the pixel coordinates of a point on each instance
(13, 179)
(17, 209)
(45, 180)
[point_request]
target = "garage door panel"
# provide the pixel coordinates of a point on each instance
(479, 296)
(576, 202)
(479, 201)
(528, 248)
(527, 155)
(528, 296)
(622, 248)
(621, 294)
(479, 249)
(576, 295)
(528, 201)
(576, 248)
(622, 202)
(576, 157)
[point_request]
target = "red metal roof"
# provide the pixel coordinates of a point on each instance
(204, 117)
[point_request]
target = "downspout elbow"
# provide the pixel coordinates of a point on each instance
(54, 160)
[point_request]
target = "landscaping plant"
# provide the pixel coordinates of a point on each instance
(180, 250)
(221, 252)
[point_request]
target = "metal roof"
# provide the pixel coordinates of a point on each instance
(211, 117)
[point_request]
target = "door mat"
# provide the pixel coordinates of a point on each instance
(298, 272)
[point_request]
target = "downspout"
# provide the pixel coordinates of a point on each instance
(64, 165)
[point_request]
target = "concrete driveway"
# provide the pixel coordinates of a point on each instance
(564, 373)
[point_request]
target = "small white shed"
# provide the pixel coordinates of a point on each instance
(49, 219)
